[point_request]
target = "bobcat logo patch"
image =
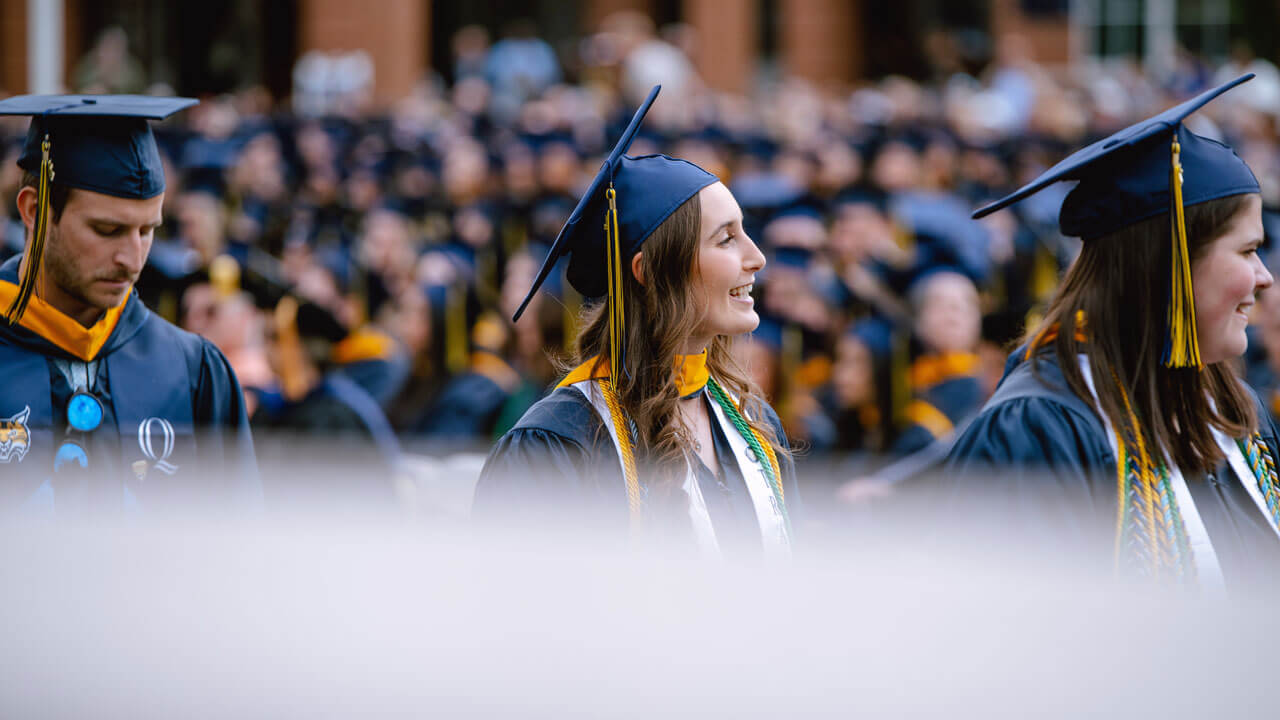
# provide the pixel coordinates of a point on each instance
(15, 438)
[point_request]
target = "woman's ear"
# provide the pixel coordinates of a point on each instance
(637, 268)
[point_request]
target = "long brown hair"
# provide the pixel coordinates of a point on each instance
(1120, 281)
(660, 316)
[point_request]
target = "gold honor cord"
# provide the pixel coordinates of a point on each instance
(1155, 507)
(622, 429)
(1184, 345)
(36, 254)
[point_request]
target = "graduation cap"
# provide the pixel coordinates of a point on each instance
(625, 202)
(100, 143)
(205, 162)
(875, 334)
(1156, 166)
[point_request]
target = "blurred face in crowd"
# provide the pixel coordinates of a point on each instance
(519, 173)
(558, 168)
(726, 266)
(315, 147)
(466, 167)
(95, 251)
(796, 231)
(259, 170)
(858, 230)
(1226, 280)
(229, 323)
(948, 317)
(852, 375)
(363, 190)
(474, 228)
(838, 167)
(200, 217)
(386, 245)
(896, 167)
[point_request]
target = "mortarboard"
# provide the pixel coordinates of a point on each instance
(100, 143)
(861, 195)
(1155, 166)
(625, 202)
(944, 232)
(875, 333)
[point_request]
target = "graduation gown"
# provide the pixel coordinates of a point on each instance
(947, 390)
(1038, 462)
(558, 464)
(333, 445)
(174, 430)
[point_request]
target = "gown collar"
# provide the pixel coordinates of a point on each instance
(689, 373)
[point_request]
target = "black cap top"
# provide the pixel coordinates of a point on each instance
(1124, 178)
(649, 188)
(101, 143)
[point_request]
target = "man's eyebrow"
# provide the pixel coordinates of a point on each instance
(156, 222)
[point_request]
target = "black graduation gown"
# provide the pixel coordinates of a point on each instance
(334, 446)
(955, 398)
(1038, 464)
(559, 464)
(157, 445)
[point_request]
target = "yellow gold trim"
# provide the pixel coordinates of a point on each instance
(363, 344)
(933, 369)
(690, 372)
(51, 324)
(930, 418)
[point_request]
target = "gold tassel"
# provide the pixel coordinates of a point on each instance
(455, 329)
(1183, 350)
(35, 254)
(617, 314)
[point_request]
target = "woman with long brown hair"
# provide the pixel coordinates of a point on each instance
(1126, 399)
(654, 426)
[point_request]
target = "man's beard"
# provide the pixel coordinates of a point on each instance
(62, 270)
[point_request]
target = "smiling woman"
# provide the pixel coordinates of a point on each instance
(1227, 275)
(1126, 397)
(654, 427)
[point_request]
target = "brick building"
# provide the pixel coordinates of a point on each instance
(218, 44)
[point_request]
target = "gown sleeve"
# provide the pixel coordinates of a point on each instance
(226, 445)
(1035, 469)
(558, 463)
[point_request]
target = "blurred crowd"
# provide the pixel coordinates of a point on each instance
(359, 266)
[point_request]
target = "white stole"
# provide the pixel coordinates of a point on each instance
(773, 529)
(1206, 559)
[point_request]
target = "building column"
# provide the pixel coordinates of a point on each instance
(821, 40)
(728, 49)
(13, 46)
(1048, 38)
(393, 33)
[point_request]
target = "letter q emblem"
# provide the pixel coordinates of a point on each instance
(151, 432)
